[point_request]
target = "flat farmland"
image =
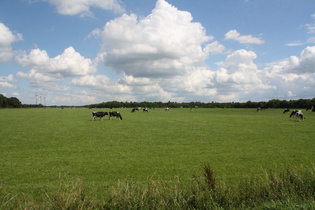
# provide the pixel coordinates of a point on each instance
(41, 146)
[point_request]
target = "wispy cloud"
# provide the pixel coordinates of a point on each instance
(295, 43)
(243, 39)
(83, 7)
(311, 26)
(5, 82)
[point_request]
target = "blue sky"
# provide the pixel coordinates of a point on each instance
(82, 52)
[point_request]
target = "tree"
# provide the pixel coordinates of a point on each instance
(12, 102)
(3, 101)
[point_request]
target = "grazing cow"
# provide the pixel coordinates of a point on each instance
(115, 114)
(135, 109)
(298, 114)
(310, 108)
(167, 109)
(99, 114)
(258, 109)
(286, 110)
(145, 110)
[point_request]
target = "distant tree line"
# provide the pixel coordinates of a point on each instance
(12, 102)
(274, 103)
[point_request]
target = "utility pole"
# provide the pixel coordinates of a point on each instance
(36, 98)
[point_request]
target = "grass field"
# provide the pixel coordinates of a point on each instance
(39, 147)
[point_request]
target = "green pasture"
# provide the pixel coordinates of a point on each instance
(38, 147)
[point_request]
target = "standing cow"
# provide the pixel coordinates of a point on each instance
(99, 114)
(115, 114)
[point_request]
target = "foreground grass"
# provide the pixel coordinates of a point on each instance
(39, 147)
(291, 189)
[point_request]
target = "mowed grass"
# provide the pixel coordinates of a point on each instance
(39, 147)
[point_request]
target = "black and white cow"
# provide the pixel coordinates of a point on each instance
(286, 110)
(145, 110)
(99, 114)
(135, 109)
(115, 114)
(298, 114)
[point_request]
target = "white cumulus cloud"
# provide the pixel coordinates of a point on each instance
(215, 48)
(47, 72)
(7, 37)
(239, 78)
(165, 43)
(69, 63)
(305, 64)
(295, 76)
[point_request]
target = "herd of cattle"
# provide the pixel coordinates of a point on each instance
(295, 113)
(101, 115)
(298, 113)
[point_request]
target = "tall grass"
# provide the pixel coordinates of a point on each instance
(294, 188)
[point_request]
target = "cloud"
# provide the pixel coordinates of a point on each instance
(215, 48)
(240, 60)
(238, 78)
(47, 72)
(310, 40)
(69, 63)
(100, 82)
(295, 76)
(165, 43)
(311, 26)
(5, 82)
(7, 37)
(295, 43)
(246, 39)
(150, 89)
(76, 98)
(43, 80)
(83, 7)
(305, 64)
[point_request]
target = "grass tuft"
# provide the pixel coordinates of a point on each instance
(69, 195)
